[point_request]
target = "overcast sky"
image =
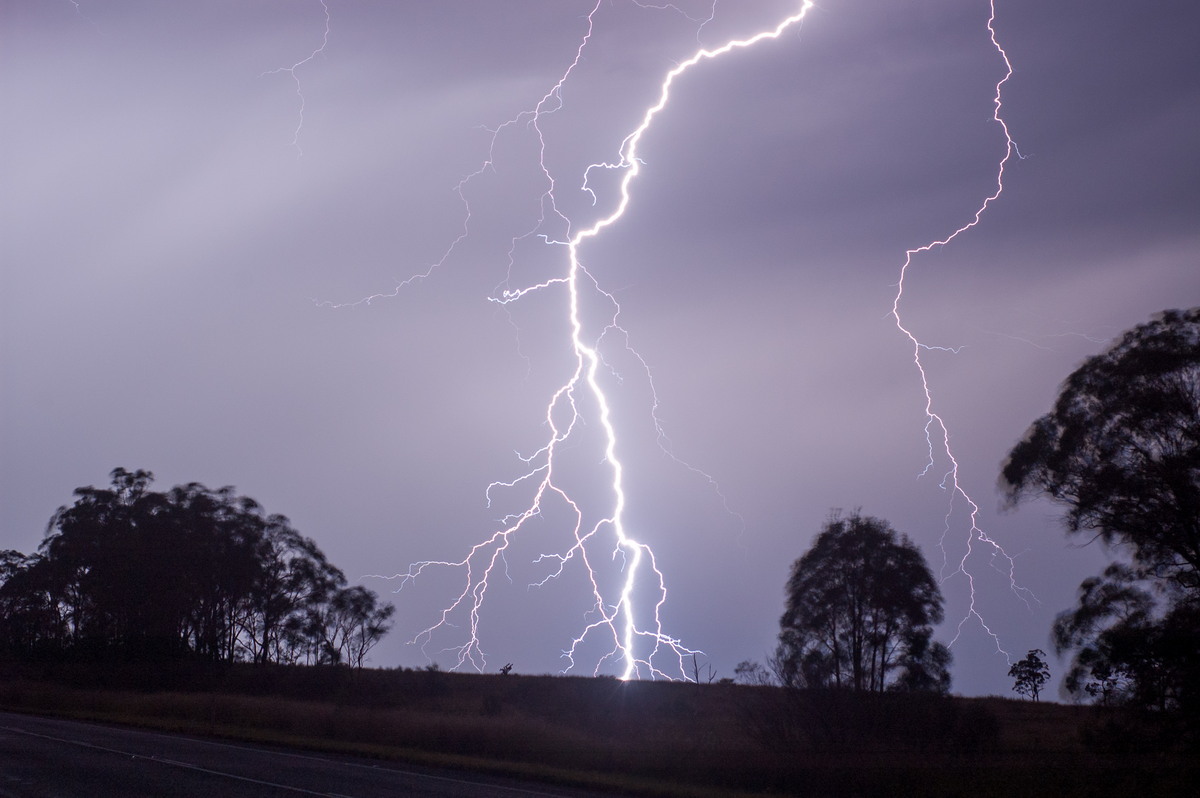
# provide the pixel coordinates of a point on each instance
(179, 226)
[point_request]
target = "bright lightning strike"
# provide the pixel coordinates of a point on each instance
(625, 624)
(937, 434)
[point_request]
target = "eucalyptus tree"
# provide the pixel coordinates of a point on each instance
(860, 607)
(130, 573)
(1120, 450)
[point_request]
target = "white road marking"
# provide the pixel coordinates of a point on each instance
(172, 763)
(267, 751)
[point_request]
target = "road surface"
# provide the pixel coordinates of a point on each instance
(51, 758)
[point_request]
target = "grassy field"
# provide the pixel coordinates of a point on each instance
(645, 738)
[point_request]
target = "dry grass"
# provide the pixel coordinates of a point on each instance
(645, 738)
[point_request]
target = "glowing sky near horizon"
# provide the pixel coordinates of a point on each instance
(164, 241)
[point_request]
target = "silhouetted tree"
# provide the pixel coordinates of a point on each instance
(752, 672)
(1121, 450)
(925, 666)
(130, 573)
(295, 581)
(1136, 641)
(1030, 673)
(345, 627)
(220, 556)
(114, 563)
(30, 621)
(859, 613)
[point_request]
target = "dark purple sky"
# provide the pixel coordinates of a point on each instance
(174, 228)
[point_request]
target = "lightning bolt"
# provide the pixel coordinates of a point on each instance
(937, 433)
(628, 628)
(621, 621)
(294, 69)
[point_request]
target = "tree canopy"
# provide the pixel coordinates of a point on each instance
(130, 573)
(1030, 673)
(1135, 640)
(859, 612)
(1121, 450)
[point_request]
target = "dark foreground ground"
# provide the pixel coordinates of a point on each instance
(43, 757)
(589, 735)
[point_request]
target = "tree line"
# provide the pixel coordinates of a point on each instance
(126, 573)
(1121, 451)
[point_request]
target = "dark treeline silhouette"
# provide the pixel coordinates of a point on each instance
(130, 574)
(1121, 451)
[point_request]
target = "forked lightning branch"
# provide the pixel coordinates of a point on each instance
(623, 629)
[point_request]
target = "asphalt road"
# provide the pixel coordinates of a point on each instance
(51, 758)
